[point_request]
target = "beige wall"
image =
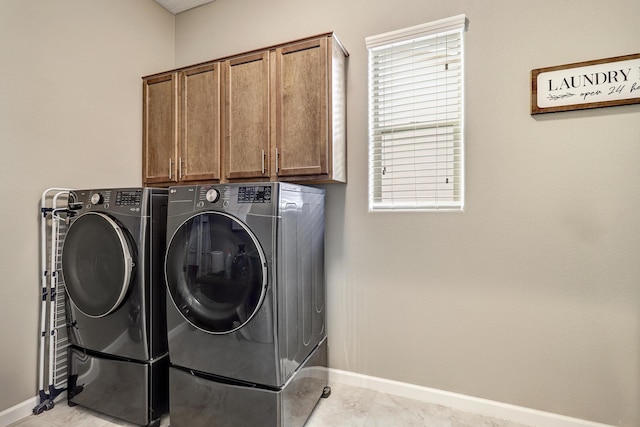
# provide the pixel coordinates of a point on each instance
(70, 116)
(532, 295)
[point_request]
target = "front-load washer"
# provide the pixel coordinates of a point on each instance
(246, 315)
(112, 266)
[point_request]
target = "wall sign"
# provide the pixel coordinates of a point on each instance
(591, 84)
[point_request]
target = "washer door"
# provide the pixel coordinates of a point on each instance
(216, 272)
(97, 264)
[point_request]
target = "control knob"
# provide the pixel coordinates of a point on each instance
(97, 199)
(213, 195)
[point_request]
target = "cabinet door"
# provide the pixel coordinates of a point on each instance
(199, 157)
(301, 97)
(159, 139)
(246, 117)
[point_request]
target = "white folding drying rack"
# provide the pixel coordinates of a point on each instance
(54, 340)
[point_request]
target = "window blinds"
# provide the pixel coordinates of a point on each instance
(416, 150)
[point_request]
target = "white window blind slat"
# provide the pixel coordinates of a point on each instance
(416, 144)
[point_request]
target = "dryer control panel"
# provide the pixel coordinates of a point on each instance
(129, 198)
(88, 199)
(128, 201)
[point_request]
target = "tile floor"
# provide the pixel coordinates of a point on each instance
(347, 406)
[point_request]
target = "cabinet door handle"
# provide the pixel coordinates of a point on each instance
(263, 160)
(169, 167)
(277, 158)
(180, 167)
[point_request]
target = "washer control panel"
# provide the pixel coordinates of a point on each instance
(254, 194)
(239, 199)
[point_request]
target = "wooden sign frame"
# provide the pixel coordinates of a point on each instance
(591, 84)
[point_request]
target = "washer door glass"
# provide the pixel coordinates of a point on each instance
(97, 264)
(216, 272)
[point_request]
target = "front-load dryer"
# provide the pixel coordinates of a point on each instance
(246, 314)
(112, 266)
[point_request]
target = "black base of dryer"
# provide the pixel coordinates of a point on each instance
(201, 400)
(133, 391)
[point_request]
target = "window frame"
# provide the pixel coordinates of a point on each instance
(439, 140)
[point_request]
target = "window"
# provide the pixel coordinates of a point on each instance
(416, 144)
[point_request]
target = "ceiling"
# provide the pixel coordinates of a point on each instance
(177, 6)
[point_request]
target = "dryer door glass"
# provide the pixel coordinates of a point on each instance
(216, 272)
(97, 264)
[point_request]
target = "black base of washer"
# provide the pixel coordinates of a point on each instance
(197, 398)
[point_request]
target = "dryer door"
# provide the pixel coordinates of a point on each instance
(216, 272)
(97, 264)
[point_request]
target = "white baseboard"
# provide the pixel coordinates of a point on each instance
(485, 407)
(17, 412)
(24, 409)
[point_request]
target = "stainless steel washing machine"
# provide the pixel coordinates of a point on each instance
(246, 315)
(112, 266)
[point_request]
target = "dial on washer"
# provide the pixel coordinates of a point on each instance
(213, 195)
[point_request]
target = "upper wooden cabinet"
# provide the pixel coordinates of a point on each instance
(160, 129)
(199, 155)
(246, 117)
(302, 109)
(273, 114)
(181, 126)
